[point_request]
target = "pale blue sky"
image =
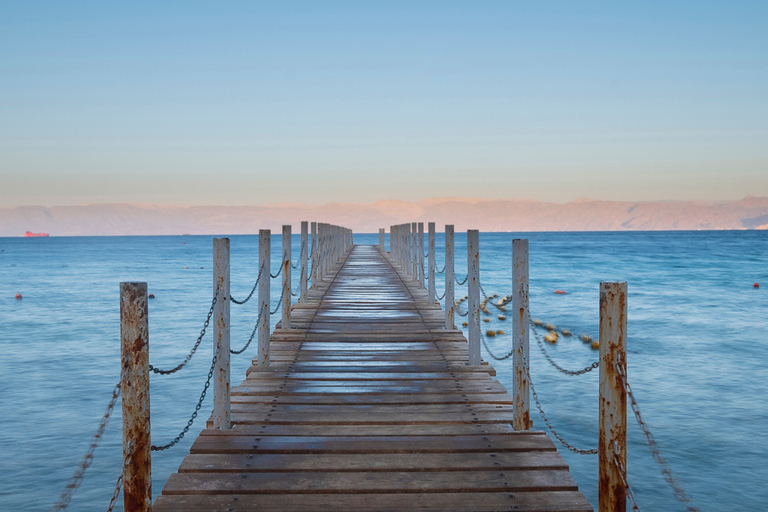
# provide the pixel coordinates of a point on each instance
(252, 102)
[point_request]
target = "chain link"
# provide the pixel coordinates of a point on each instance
(487, 349)
(253, 333)
(457, 309)
(116, 493)
(623, 475)
(194, 414)
(441, 297)
(85, 463)
(462, 283)
(278, 272)
(441, 271)
(197, 343)
(666, 470)
(261, 269)
(549, 425)
(559, 368)
(282, 295)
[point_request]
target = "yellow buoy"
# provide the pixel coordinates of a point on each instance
(499, 332)
(595, 345)
(490, 333)
(585, 338)
(551, 337)
(502, 308)
(495, 295)
(486, 319)
(565, 332)
(465, 324)
(502, 317)
(536, 321)
(550, 327)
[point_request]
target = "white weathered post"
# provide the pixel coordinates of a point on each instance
(381, 239)
(134, 348)
(612, 444)
(450, 299)
(473, 281)
(265, 255)
(221, 333)
(315, 256)
(303, 274)
(286, 320)
(421, 255)
(520, 336)
(414, 251)
(431, 261)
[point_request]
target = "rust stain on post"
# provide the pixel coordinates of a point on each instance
(473, 292)
(612, 443)
(286, 306)
(221, 394)
(520, 341)
(134, 345)
(265, 254)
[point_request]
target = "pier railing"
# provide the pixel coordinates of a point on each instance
(407, 251)
(317, 257)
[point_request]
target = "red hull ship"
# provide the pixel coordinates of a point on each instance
(29, 233)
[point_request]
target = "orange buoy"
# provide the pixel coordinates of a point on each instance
(560, 292)
(151, 296)
(17, 296)
(756, 285)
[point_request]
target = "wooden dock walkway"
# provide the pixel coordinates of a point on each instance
(369, 405)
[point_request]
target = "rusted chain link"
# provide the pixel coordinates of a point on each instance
(116, 493)
(85, 462)
(282, 295)
(487, 349)
(623, 475)
(462, 283)
(549, 425)
(666, 470)
(278, 272)
(196, 345)
(559, 368)
(253, 333)
(194, 414)
(261, 269)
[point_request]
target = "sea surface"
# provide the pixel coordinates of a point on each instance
(698, 353)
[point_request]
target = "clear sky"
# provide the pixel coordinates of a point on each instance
(249, 102)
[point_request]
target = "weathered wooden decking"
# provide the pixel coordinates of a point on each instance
(368, 405)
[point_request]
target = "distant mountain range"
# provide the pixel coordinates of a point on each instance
(484, 214)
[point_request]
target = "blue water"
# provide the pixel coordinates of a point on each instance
(697, 361)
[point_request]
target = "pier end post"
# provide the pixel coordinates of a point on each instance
(431, 262)
(612, 444)
(134, 347)
(221, 380)
(520, 341)
(473, 281)
(381, 240)
(450, 299)
(265, 254)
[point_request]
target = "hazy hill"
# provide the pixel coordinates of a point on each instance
(486, 215)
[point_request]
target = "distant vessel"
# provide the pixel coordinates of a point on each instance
(29, 233)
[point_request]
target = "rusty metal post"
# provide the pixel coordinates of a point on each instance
(314, 255)
(421, 255)
(473, 285)
(520, 336)
(450, 299)
(134, 347)
(612, 445)
(221, 334)
(303, 257)
(431, 260)
(265, 255)
(286, 277)
(381, 240)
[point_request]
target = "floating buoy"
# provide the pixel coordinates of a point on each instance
(486, 319)
(490, 333)
(565, 332)
(560, 292)
(499, 332)
(585, 338)
(151, 296)
(551, 337)
(536, 321)
(17, 296)
(201, 268)
(185, 268)
(550, 327)
(502, 308)
(495, 295)
(756, 285)
(595, 345)
(465, 324)
(502, 317)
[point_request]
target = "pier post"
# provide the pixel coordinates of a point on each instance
(286, 277)
(265, 254)
(450, 299)
(414, 251)
(381, 240)
(421, 255)
(314, 255)
(431, 261)
(520, 336)
(134, 348)
(303, 273)
(612, 444)
(221, 334)
(473, 285)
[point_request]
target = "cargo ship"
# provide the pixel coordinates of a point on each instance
(29, 233)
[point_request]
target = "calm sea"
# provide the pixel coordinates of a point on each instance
(697, 362)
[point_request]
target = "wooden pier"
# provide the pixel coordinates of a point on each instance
(368, 404)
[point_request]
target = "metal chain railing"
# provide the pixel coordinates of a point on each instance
(275, 276)
(116, 493)
(666, 470)
(462, 283)
(253, 334)
(277, 307)
(87, 460)
(261, 270)
(458, 310)
(441, 297)
(487, 349)
(559, 368)
(179, 437)
(622, 474)
(549, 425)
(441, 271)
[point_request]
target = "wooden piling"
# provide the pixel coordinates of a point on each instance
(134, 347)
(612, 444)
(450, 299)
(381, 239)
(265, 254)
(221, 334)
(314, 256)
(431, 262)
(303, 258)
(286, 293)
(421, 255)
(473, 285)
(520, 335)
(414, 251)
